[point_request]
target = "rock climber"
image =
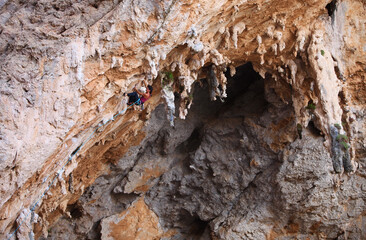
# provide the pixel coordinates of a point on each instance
(144, 93)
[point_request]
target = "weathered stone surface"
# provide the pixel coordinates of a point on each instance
(64, 67)
(130, 225)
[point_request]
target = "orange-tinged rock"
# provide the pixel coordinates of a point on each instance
(138, 222)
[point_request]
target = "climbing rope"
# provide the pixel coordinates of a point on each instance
(69, 159)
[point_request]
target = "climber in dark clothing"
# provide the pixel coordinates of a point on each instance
(145, 93)
(132, 98)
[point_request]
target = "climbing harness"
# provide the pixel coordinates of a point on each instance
(138, 102)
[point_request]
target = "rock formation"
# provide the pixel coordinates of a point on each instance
(255, 128)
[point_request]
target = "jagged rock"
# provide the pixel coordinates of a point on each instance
(230, 168)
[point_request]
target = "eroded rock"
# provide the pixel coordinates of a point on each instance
(65, 66)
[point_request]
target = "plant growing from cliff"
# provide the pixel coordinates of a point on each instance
(342, 137)
(322, 52)
(311, 106)
(345, 145)
(338, 126)
(167, 78)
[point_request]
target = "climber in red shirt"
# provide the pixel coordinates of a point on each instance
(144, 93)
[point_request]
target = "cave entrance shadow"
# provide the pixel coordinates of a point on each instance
(237, 85)
(245, 88)
(194, 227)
(241, 81)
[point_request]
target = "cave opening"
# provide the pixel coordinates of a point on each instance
(245, 97)
(245, 92)
(245, 76)
(237, 85)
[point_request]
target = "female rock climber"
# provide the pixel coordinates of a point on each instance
(144, 92)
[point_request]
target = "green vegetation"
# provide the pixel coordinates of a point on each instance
(345, 145)
(322, 52)
(167, 78)
(311, 106)
(342, 137)
(170, 76)
(338, 126)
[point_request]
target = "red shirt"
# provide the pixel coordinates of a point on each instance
(144, 99)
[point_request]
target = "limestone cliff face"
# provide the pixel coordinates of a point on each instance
(274, 149)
